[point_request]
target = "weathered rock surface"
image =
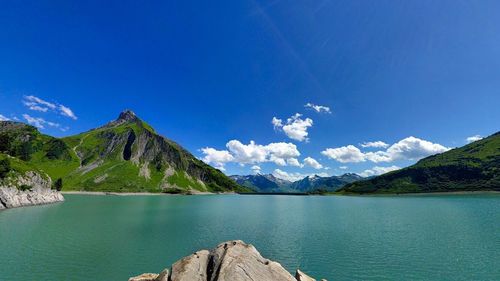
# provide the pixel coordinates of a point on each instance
(193, 267)
(301, 276)
(145, 277)
(39, 194)
(229, 261)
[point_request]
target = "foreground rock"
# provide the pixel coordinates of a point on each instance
(229, 261)
(11, 196)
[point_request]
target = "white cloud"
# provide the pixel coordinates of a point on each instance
(39, 122)
(288, 176)
(256, 169)
(377, 170)
(410, 148)
(343, 167)
(474, 138)
(294, 176)
(280, 153)
(295, 127)
(38, 104)
(294, 162)
(318, 108)
(66, 111)
(283, 150)
(3, 118)
(277, 123)
(35, 107)
(35, 103)
(345, 154)
(311, 162)
(252, 153)
(378, 144)
(247, 154)
(216, 157)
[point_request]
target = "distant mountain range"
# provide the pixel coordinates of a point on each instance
(125, 155)
(268, 183)
(473, 167)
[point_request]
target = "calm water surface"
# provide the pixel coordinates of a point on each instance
(454, 237)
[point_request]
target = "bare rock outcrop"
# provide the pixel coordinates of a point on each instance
(229, 261)
(301, 276)
(39, 192)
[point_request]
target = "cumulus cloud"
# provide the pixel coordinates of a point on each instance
(256, 169)
(345, 154)
(294, 176)
(277, 123)
(295, 127)
(377, 144)
(377, 170)
(474, 138)
(311, 162)
(280, 153)
(39, 122)
(287, 176)
(216, 157)
(410, 148)
(40, 105)
(3, 118)
(318, 108)
(294, 162)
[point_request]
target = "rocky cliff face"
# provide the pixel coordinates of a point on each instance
(229, 261)
(39, 192)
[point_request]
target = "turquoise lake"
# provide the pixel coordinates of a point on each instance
(439, 237)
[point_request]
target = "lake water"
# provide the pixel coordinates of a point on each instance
(452, 237)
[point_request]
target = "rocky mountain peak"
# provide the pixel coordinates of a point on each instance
(127, 115)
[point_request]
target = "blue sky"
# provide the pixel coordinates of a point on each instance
(205, 73)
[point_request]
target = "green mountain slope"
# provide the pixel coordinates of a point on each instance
(473, 167)
(46, 153)
(125, 155)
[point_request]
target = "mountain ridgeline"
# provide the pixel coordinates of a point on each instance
(474, 167)
(125, 155)
(310, 184)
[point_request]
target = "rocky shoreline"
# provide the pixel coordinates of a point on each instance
(229, 261)
(40, 192)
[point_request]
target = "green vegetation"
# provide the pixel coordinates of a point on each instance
(24, 187)
(4, 167)
(58, 184)
(12, 165)
(473, 167)
(125, 155)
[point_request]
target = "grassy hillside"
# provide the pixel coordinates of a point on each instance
(49, 154)
(125, 155)
(473, 167)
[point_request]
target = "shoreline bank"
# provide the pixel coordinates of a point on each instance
(100, 193)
